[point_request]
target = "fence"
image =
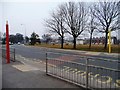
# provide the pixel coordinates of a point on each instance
(12, 53)
(87, 72)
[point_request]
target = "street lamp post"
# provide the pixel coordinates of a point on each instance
(24, 33)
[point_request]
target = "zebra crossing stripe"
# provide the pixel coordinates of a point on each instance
(80, 72)
(65, 68)
(118, 81)
(117, 84)
(51, 65)
(73, 71)
(76, 69)
(90, 74)
(107, 81)
(77, 72)
(97, 75)
(69, 69)
(83, 73)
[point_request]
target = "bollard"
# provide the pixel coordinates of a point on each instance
(46, 64)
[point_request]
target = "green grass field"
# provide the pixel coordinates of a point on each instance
(96, 48)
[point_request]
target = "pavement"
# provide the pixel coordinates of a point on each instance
(24, 74)
(84, 53)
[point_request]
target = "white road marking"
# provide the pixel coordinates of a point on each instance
(93, 53)
(25, 68)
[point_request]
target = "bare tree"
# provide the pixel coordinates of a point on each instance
(92, 25)
(47, 38)
(106, 14)
(56, 24)
(75, 18)
(118, 20)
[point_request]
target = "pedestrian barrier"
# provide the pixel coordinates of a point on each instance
(87, 72)
(12, 53)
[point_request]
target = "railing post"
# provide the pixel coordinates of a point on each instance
(87, 61)
(46, 64)
(14, 54)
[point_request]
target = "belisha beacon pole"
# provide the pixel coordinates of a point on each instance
(7, 43)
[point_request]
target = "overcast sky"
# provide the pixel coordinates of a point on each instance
(30, 13)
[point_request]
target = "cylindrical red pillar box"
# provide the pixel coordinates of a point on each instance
(7, 43)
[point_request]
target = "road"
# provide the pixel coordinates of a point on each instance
(40, 53)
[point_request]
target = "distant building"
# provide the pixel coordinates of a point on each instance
(79, 41)
(101, 40)
(113, 40)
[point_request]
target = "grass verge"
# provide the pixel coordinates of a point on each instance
(95, 48)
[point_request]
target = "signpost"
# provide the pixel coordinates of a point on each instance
(7, 43)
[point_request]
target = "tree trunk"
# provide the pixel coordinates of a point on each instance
(90, 41)
(74, 41)
(62, 41)
(106, 39)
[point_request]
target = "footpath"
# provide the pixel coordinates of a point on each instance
(92, 53)
(28, 74)
(83, 53)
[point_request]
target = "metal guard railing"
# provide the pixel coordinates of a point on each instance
(84, 71)
(12, 53)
